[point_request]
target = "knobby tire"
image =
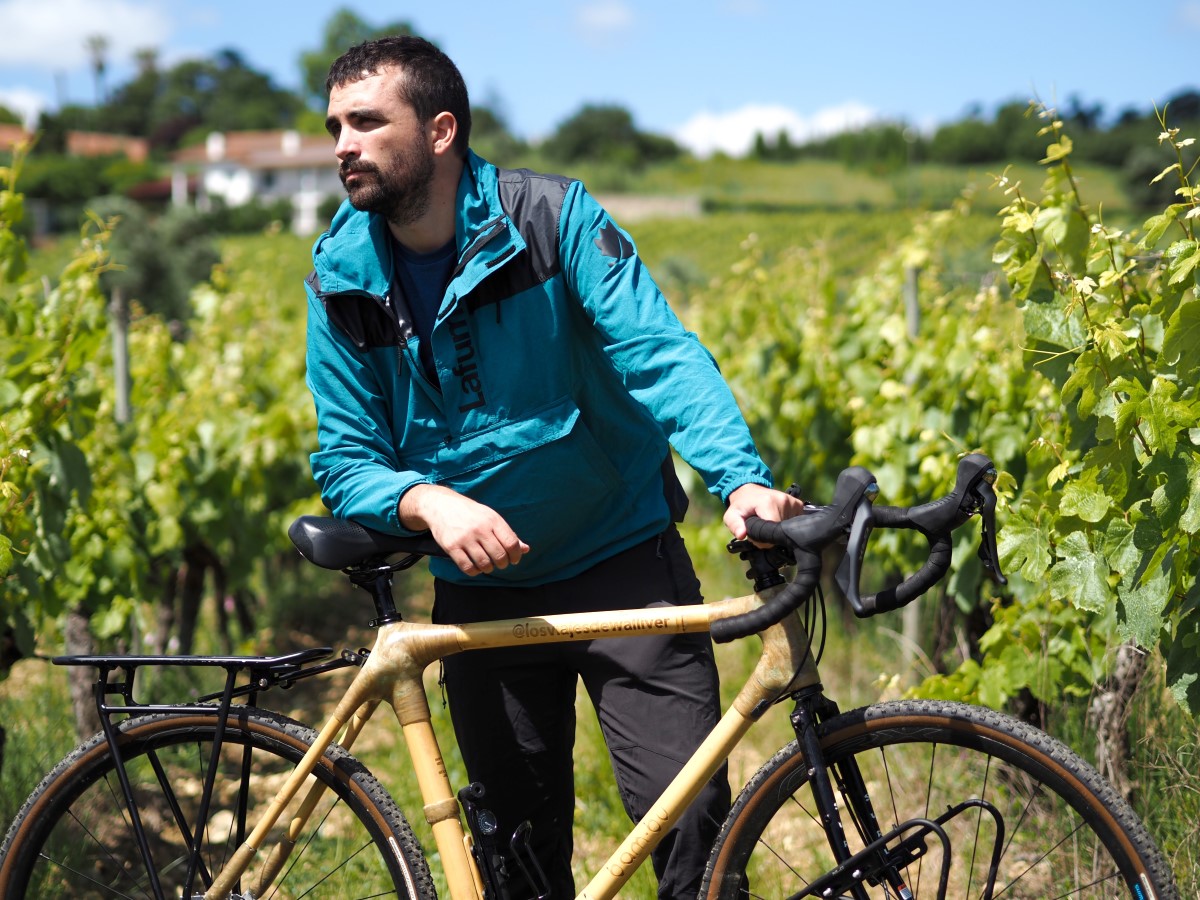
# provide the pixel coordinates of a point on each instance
(1067, 833)
(74, 838)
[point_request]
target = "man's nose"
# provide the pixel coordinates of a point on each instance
(347, 145)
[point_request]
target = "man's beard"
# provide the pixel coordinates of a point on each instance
(400, 191)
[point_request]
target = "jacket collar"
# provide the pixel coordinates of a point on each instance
(355, 253)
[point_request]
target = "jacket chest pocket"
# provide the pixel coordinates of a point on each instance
(545, 474)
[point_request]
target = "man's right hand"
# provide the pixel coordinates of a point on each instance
(475, 536)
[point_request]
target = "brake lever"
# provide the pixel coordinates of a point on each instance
(989, 555)
(978, 498)
(972, 495)
(815, 530)
(849, 570)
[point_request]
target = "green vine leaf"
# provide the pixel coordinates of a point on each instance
(1086, 501)
(1157, 226)
(1161, 175)
(1189, 522)
(1126, 413)
(1047, 322)
(1184, 256)
(1143, 607)
(1087, 381)
(1170, 497)
(1163, 417)
(6, 557)
(1031, 281)
(1120, 549)
(1059, 150)
(1080, 575)
(1024, 547)
(1181, 343)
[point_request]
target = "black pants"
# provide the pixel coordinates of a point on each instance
(656, 699)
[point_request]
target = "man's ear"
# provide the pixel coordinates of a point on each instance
(443, 129)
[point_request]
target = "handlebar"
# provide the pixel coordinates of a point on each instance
(852, 516)
(342, 544)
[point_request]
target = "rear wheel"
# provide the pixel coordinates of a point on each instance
(1065, 832)
(74, 837)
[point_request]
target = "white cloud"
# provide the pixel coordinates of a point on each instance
(604, 19)
(26, 103)
(51, 34)
(733, 132)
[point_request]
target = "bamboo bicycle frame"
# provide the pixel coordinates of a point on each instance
(392, 675)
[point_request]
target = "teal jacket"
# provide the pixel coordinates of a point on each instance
(561, 376)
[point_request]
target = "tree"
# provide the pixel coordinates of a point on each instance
(97, 47)
(52, 127)
(606, 133)
(1081, 116)
(1019, 132)
(760, 150)
(783, 145)
(223, 94)
(159, 259)
(343, 30)
(491, 138)
(131, 108)
(970, 141)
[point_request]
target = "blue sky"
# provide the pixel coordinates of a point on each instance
(709, 72)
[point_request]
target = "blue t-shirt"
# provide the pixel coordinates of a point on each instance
(423, 278)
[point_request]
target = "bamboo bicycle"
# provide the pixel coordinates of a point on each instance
(218, 799)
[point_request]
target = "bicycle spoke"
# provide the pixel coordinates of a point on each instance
(1050, 850)
(297, 854)
(978, 826)
(95, 839)
(80, 844)
(942, 772)
(111, 891)
(329, 875)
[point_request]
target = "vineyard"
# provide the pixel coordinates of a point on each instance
(1064, 345)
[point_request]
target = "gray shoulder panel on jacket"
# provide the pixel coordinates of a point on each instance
(533, 202)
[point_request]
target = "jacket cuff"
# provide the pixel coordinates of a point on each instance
(398, 525)
(730, 484)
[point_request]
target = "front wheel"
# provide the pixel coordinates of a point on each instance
(1065, 832)
(74, 838)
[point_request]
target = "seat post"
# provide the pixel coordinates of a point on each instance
(378, 583)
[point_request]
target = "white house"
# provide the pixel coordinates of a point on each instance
(240, 166)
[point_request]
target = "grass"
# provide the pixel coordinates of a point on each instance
(721, 183)
(1166, 769)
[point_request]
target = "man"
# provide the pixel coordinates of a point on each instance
(491, 362)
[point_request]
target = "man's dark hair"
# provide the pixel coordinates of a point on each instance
(431, 83)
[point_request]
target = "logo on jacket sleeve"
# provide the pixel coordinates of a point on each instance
(613, 244)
